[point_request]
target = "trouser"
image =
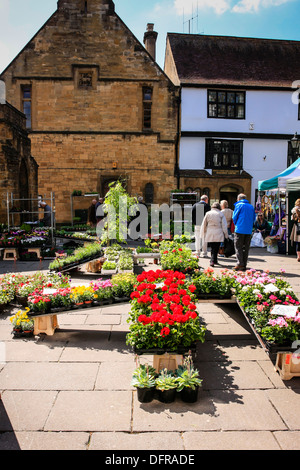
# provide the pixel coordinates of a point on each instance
(200, 244)
(215, 246)
(242, 244)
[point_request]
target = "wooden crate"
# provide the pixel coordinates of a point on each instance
(46, 324)
(288, 365)
(167, 361)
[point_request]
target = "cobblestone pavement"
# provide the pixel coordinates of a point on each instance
(72, 391)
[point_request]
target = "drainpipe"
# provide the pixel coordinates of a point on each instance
(177, 173)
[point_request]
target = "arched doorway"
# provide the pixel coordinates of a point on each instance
(230, 193)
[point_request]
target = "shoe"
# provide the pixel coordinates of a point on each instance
(239, 268)
(203, 255)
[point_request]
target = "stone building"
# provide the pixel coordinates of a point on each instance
(98, 106)
(18, 169)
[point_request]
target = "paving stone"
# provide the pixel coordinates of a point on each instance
(288, 440)
(286, 402)
(44, 441)
(113, 377)
(146, 440)
(91, 411)
(218, 410)
(22, 350)
(48, 376)
(230, 440)
(103, 319)
(25, 410)
(243, 375)
(73, 319)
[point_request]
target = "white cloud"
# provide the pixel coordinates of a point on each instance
(253, 6)
(189, 6)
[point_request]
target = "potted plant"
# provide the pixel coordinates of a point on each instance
(102, 292)
(109, 267)
(125, 263)
(122, 286)
(188, 381)
(166, 385)
(22, 325)
(143, 379)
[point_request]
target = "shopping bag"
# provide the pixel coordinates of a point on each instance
(228, 247)
(257, 240)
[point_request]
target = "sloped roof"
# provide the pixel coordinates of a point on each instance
(205, 60)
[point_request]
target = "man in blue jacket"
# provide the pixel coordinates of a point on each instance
(243, 219)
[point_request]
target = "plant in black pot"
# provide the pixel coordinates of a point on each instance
(188, 381)
(166, 385)
(144, 380)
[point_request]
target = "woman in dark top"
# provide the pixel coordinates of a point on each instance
(261, 225)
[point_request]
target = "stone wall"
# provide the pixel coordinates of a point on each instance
(18, 170)
(87, 73)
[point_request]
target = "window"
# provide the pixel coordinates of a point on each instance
(226, 104)
(224, 154)
(147, 108)
(149, 193)
(26, 95)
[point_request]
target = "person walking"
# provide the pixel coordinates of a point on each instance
(228, 214)
(243, 219)
(200, 244)
(214, 230)
(295, 233)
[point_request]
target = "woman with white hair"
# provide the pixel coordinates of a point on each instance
(214, 230)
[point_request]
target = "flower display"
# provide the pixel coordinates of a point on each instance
(163, 313)
(177, 257)
(20, 321)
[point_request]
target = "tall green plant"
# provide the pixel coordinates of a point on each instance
(116, 207)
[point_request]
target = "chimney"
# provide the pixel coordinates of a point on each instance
(150, 38)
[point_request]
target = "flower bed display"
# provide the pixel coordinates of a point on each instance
(81, 255)
(177, 257)
(211, 285)
(264, 299)
(163, 314)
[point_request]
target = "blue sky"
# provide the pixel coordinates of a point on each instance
(274, 19)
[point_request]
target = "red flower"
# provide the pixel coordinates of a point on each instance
(165, 331)
(192, 288)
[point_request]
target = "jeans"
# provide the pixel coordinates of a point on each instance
(242, 244)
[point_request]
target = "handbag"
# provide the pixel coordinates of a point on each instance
(228, 247)
(298, 228)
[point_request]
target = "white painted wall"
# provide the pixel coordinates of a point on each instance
(192, 157)
(271, 112)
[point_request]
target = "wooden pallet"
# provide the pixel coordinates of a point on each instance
(288, 365)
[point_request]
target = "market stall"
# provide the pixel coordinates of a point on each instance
(273, 203)
(293, 193)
